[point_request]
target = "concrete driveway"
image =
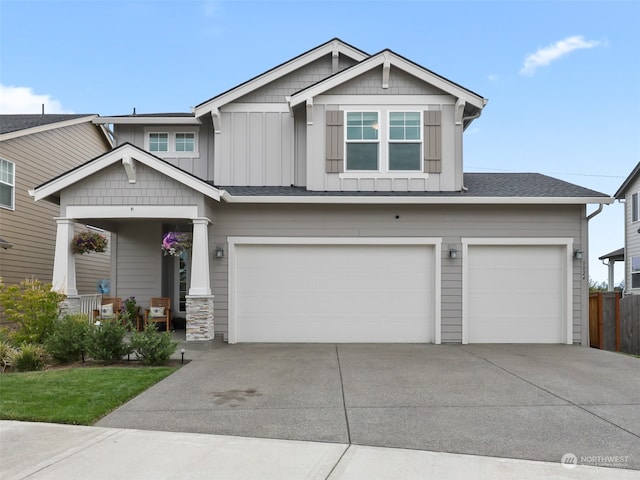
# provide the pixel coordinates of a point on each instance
(535, 402)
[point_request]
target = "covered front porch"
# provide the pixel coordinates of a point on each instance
(139, 198)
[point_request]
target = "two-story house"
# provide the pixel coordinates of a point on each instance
(327, 202)
(33, 149)
(629, 192)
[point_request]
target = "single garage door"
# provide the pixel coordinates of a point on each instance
(334, 293)
(516, 293)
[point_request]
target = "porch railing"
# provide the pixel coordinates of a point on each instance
(89, 303)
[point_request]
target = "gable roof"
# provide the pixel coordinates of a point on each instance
(333, 45)
(19, 125)
(481, 188)
(392, 59)
(50, 190)
(628, 181)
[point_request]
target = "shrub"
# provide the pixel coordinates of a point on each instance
(33, 307)
(29, 357)
(152, 346)
(106, 341)
(6, 353)
(68, 342)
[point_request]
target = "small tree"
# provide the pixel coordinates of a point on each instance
(33, 307)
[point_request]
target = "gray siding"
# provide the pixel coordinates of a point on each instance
(255, 148)
(632, 234)
(276, 91)
(111, 187)
(400, 83)
(30, 227)
(201, 165)
(451, 223)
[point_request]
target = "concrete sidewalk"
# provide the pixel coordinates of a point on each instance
(51, 451)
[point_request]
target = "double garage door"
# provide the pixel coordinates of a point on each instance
(378, 292)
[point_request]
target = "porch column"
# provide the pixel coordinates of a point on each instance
(200, 301)
(200, 283)
(64, 263)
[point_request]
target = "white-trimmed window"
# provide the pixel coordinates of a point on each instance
(7, 184)
(405, 141)
(172, 142)
(635, 207)
(362, 141)
(635, 272)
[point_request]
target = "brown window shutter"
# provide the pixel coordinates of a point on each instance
(335, 141)
(432, 141)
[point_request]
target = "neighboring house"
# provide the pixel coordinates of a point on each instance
(327, 203)
(629, 192)
(34, 148)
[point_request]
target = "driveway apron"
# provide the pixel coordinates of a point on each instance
(535, 402)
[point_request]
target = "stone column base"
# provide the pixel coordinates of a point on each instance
(69, 306)
(199, 318)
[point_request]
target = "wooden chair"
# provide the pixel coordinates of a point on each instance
(108, 313)
(159, 311)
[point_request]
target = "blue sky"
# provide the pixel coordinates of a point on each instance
(561, 77)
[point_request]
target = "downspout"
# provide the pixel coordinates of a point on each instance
(593, 214)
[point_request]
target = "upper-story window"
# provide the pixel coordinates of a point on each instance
(635, 207)
(173, 142)
(7, 184)
(362, 141)
(394, 144)
(405, 141)
(635, 272)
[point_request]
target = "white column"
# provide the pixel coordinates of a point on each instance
(64, 263)
(611, 274)
(200, 284)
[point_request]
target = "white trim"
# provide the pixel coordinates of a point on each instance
(131, 211)
(145, 120)
(568, 269)
(377, 141)
(399, 62)
(12, 207)
(436, 242)
(48, 126)
(402, 101)
(278, 72)
(109, 158)
(408, 200)
(171, 133)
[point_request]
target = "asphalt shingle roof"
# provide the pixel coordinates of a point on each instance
(14, 123)
(477, 184)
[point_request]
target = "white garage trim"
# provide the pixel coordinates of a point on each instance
(566, 243)
(233, 242)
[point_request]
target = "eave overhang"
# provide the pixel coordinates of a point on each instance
(46, 127)
(623, 188)
(133, 120)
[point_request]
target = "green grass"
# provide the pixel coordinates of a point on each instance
(78, 396)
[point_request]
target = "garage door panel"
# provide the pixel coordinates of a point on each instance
(515, 294)
(334, 293)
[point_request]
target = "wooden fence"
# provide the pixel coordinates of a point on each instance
(614, 322)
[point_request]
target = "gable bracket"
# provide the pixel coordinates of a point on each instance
(309, 104)
(335, 56)
(386, 69)
(460, 104)
(215, 116)
(129, 165)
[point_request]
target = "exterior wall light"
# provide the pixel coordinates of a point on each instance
(453, 253)
(578, 254)
(219, 252)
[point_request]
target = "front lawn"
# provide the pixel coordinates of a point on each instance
(78, 396)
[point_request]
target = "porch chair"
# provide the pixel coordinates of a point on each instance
(159, 311)
(109, 307)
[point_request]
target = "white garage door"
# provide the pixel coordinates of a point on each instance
(516, 294)
(334, 293)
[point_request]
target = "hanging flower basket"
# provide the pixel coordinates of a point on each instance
(174, 243)
(86, 242)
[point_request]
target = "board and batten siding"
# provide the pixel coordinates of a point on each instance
(255, 148)
(31, 227)
(632, 234)
(451, 223)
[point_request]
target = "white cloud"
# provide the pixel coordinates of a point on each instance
(24, 100)
(551, 53)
